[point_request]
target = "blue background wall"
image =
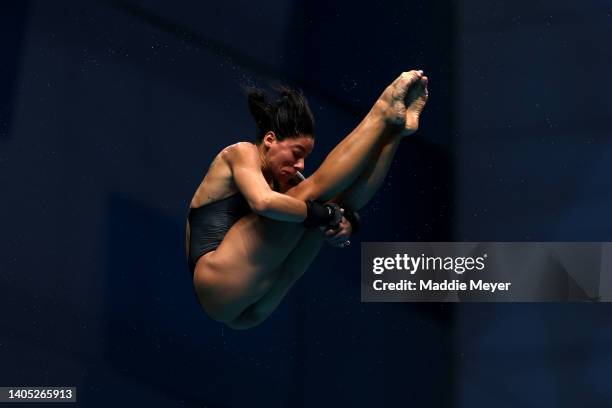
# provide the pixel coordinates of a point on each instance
(111, 112)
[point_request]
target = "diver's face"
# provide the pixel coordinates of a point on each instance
(286, 157)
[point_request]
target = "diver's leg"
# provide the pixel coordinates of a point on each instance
(244, 266)
(346, 162)
(358, 194)
(402, 102)
(289, 272)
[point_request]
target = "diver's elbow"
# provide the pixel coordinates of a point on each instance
(260, 205)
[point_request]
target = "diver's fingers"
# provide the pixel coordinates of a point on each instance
(331, 232)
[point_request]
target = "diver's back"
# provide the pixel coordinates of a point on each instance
(217, 184)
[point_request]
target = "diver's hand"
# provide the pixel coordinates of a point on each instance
(403, 101)
(339, 237)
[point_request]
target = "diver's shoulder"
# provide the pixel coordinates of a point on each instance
(238, 150)
(241, 146)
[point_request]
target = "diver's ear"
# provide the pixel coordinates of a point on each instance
(269, 139)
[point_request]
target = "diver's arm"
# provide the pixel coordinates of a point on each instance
(243, 160)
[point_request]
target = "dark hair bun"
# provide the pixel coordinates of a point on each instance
(288, 116)
(259, 107)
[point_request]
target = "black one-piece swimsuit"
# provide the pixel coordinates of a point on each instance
(209, 223)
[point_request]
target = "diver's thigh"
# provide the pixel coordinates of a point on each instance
(244, 266)
(294, 266)
(257, 242)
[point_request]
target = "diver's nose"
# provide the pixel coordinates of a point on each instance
(299, 166)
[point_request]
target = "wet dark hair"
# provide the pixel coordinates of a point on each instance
(288, 117)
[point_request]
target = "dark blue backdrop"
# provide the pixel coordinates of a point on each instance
(111, 112)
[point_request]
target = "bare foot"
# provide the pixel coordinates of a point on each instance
(404, 101)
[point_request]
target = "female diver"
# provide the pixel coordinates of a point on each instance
(252, 232)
